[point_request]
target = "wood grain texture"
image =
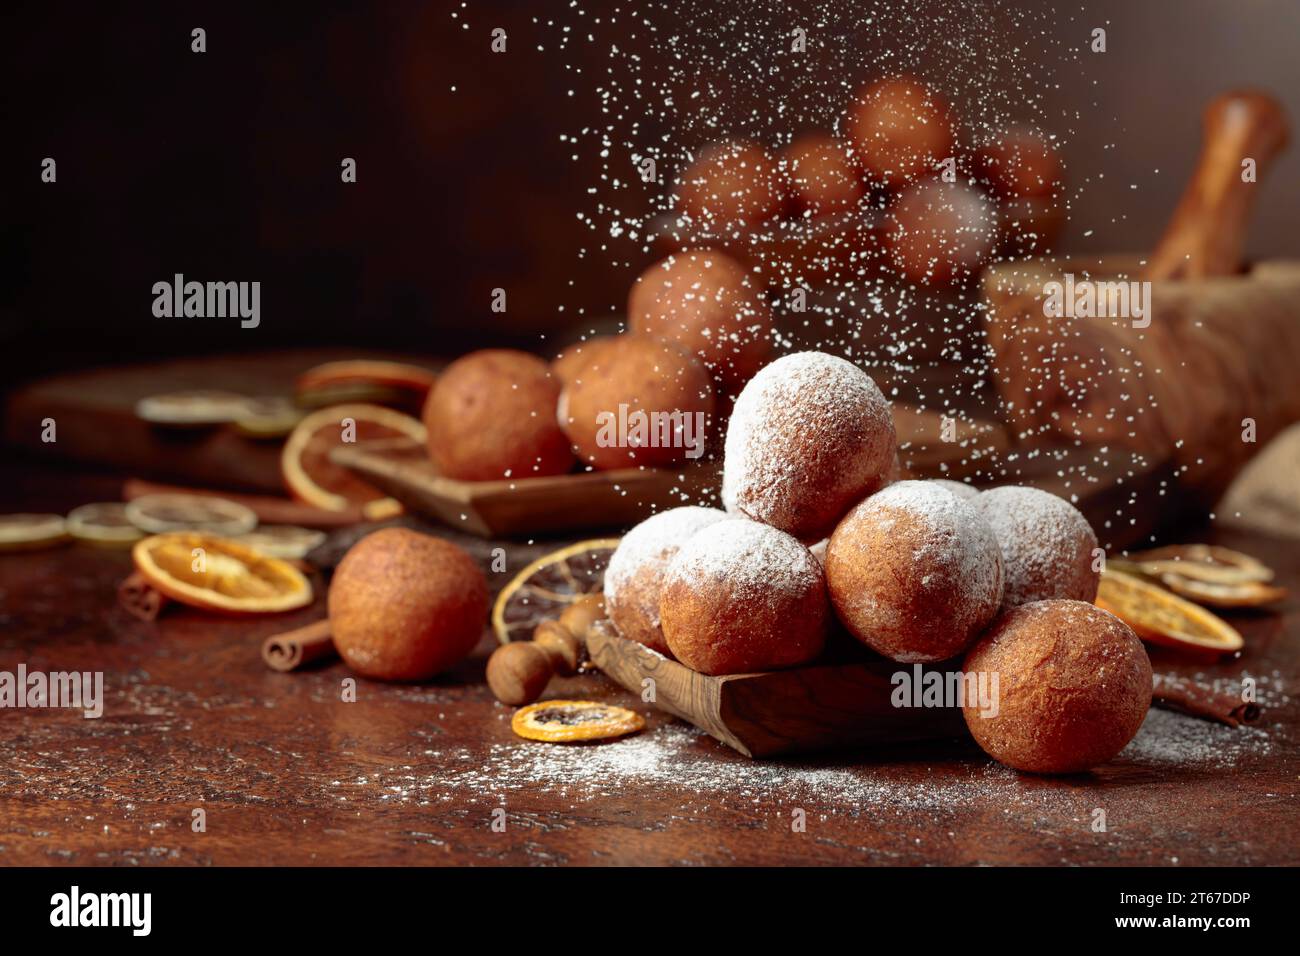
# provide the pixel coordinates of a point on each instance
(802, 710)
(410, 774)
(1218, 351)
(523, 506)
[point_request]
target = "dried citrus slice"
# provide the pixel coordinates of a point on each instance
(268, 418)
(314, 479)
(1161, 617)
(157, 514)
(543, 589)
(28, 532)
(366, 372)
(206, 571)
(283, 540)
(192, 408)
(1204, 562)
(573, 721)
(104, 524)
(1249, 594)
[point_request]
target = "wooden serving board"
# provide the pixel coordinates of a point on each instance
(779, 712)
(515, 507)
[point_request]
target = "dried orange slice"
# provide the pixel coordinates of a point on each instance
(28, 532)
(1161, 617)
(364, 380)
(217, 574)
(573, 721)
(314, 479)
(544, 588)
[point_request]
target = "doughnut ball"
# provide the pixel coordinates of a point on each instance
(810, 436)
(405, 606)
(732, 182)
(634, 578)
(742, 596)
(491, 414)
(639, 402)
(959, 488)
(900, 130)
(914, 572)
(565, 365)
(1019, 163)
(822, 173)
(940, 232)
(1047, 545)
(1074, 684)
(705, 302)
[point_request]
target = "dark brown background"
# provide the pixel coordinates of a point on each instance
(226, 165)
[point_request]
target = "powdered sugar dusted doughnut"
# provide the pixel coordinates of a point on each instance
(742, 596)
(634, 577)
(1046, 543)
(959, 488)
(810, 435)
(914, 572)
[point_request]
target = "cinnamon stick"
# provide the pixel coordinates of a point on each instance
(293, 649)
(1203, 700)
(141, 599)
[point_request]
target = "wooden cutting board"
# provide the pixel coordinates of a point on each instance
(94, 411)
(834, 705)
(523, 506)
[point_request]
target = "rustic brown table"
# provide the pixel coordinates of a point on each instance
(287, 773)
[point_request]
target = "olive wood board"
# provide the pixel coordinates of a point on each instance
(519, 506)
(818, 707)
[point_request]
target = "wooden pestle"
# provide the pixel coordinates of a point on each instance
(1207, 233)
(1221, 346)
(519, 672)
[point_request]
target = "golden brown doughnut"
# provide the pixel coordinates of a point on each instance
(639, 402)
(405, 606)
(1073, 686)
(914, 572)
(730, 183)
(491, 414)
(634, 578)
(823, 175)
(941, 232)
(705, 302)
(1047, 545)
(810, 435)
(899, 129)
(742, 596)
(565, 365)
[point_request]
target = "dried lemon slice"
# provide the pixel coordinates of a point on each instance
(105, 524)
(180, 512)
(543, 589)
(1248, 594)
(198, 407)
(1204, 562)
(572, 721)
(283, 540)
(29, 532)
(213, 573)
(1161, 617)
